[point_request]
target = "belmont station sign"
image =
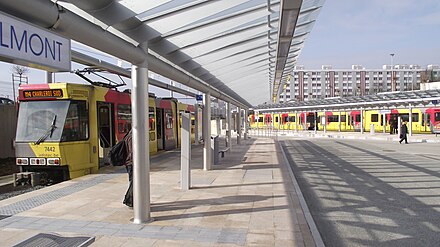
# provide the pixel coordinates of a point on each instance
(25, 44)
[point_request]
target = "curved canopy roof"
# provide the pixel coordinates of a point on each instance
(245, 48)
(419, 98)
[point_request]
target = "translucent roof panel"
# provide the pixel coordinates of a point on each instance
(246, 48)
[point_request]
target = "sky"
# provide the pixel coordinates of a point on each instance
(347, 32)
(366, 32)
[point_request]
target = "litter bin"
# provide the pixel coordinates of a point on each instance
(372, 129)
(214, 149)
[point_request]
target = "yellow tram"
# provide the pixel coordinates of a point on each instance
(66, 130)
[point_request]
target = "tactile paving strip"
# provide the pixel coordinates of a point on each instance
(39, 200)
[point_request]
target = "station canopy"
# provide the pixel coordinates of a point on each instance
(391, 100)
(245, 48)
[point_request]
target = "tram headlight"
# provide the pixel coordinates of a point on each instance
(22, 161)
(53, 161)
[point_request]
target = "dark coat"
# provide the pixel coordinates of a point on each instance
(128, 145)
(404, 129)
(395, 123)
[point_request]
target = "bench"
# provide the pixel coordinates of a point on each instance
(223, 151)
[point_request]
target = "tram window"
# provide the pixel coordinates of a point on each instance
(124, 112)
(124, 118)
(292, 119)
(374, 118)
(437, 116)
(169, 120)
(260, 119)
(343, 118)
(276, 119)
(358, 118)
(103, 116)
(76, 125)
(333, 118)
(151, 116)
(286, 119)
(415, 117)
(404, 117)
(428, 119)
(180, 118)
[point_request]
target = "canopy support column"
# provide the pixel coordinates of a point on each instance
(362, 120)
(49, 77)
(207, 158)
(339, 121)
(296, 121)
(185, 152)
(196, 123)
(140, 144)
(410, 120)
(228, 124)
(315, 114)
(238, 123)
(245, 124)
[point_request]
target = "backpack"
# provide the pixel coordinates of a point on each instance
(118, 153)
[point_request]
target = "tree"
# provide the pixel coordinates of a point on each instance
(21, 71)
(18, 72)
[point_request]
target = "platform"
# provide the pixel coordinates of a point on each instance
(249, 199)
(419, 138)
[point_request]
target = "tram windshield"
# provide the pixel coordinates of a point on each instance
(52, 121)
(437, 116)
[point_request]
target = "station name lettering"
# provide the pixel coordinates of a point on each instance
(43, 93)
(23, 40)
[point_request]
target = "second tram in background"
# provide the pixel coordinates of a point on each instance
(425, 120)
(66, 130)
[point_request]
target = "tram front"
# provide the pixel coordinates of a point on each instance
(53, 131)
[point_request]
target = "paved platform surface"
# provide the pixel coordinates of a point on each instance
(428, 138)
(369, 193)
(249, 199)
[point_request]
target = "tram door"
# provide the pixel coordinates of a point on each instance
(106, 132)
(160, 129)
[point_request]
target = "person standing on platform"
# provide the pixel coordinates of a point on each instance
(395, 125)
(128, 199)
(403, 133)
(391, 126)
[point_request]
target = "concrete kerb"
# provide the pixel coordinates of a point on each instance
(309, 218)
(417, 138)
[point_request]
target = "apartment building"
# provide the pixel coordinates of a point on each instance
(328, 82)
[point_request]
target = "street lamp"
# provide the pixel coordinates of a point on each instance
(393, 87)
(307, 76)
(412, 80)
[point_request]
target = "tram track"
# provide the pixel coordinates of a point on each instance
(9, 190)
